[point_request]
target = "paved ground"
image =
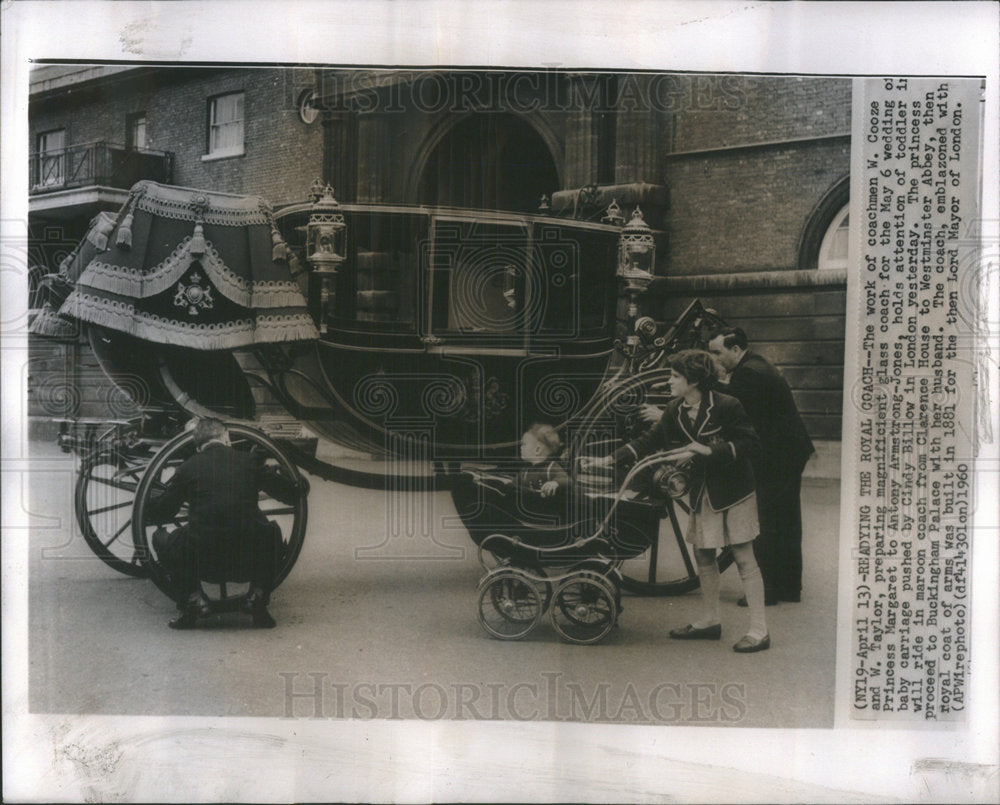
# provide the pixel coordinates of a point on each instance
(367, 633)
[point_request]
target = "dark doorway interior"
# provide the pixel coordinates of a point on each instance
(489, 161)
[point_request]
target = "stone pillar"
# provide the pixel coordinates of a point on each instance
(636, 157)
(340, 153)
(374, 148)
(582, 131)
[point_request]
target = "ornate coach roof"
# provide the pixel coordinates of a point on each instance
(191, 267)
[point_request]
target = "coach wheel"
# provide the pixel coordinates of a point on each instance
(667, 567)
(289, 517)
(510, 605)
(584, 609)
(105, 495)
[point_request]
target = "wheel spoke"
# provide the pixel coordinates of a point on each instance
(118, 533)
(159, 474)
(283, 510)
(113, 482)
(103, 509)
(134, 471)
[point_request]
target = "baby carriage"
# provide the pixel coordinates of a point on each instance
(569, 565)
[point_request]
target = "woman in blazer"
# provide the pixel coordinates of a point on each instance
(711, 434)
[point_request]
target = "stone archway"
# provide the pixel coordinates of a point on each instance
(489, 160)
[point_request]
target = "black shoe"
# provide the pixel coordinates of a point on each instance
(261, 618)
(188, 619)
(749, 645)
(256, 603)
(769, 601)
(196, 607)
(690, 632)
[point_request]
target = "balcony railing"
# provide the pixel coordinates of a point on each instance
(98, 164)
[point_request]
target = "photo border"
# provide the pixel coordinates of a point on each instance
(178, 758)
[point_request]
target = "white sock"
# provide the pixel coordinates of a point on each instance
(753, 589)
(708, 575)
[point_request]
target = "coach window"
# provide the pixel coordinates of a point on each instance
(225, 126)
(833, 249)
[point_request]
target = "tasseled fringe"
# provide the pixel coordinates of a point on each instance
(279, 251)
(242, 333)
(290, 328)
(125, 232)
(50, 324)
(271, 298)
(98, 235)
(198, 240)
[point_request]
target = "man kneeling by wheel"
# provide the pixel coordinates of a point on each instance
(227, 536)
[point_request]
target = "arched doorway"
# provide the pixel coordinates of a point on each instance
(489, 160)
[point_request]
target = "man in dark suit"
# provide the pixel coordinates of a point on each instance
(227, 535)
(786, 447)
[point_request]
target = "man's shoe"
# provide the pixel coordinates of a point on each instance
(261, 618)
(748, 645)
(256, 603)
(690, 632)
(769, 601)
(197, 606)
(188, 619)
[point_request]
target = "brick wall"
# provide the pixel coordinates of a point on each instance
(800, 331)
(746, 210)
(721, 111)
(282, 155)
(747, 160)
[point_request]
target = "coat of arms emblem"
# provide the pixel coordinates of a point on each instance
(194, 296)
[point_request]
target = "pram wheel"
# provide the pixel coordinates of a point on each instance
(584, 608)
(510, 604)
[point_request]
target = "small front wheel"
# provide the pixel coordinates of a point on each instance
(584, 608)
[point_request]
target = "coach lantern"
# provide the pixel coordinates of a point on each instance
(636, 260)
(324, 247)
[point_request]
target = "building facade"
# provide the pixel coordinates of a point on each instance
(743, 178)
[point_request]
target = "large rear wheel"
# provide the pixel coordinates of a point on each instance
(667, 567)
(289, 517)
(105, 494)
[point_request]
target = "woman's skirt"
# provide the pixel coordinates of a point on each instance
(733, 526)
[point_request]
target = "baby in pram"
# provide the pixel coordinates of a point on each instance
(552, 548)
(523, 504)
(544, 475)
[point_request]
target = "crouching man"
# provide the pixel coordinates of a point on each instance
(227, 537)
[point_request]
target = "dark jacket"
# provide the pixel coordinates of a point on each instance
(534, 476)
(768, 401)
(220, 486)
(727, 474)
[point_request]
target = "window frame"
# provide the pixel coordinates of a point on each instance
(211, 150)
(131, 141)
(56, 155)
(823, 263)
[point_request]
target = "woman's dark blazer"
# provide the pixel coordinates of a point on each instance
(722, 424)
